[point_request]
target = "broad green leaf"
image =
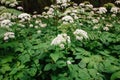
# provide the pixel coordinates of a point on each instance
(54, 56)
(48, 67)
(92, 72)
(32, 71)
(115, 76)
(6, 59)
(24, 58)
(61, 63)
(5, 67)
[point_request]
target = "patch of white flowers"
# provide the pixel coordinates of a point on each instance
(67, 19)
(11, 3)
(62, 1)
(24, 17)
(6, 23)
(60, 40)
(20, 8)
(39, 23)
(9, 35)
(80, 34)
(102, 10)
(117, 1)
(95, 21)
(50, 12)
(106, 28)
(5, 16)
(114, 10)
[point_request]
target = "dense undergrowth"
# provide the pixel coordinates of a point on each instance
(66, 42)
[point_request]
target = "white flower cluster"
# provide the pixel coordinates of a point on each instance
(20, 8)
(62, 1)
(114, 9)
(67, 19)
(50, 12)
(60, 40)
(5, 16)
(102, 10)
(39, 23)
(6, 23)
(89, 6)
(95, 21)
(24, 17)
(9, 35)
(117, 1)
(106, 28)
(11, 3)
(80, 34)
(86, 6)
(69, 62)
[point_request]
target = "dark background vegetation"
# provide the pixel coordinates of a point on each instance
(38, 5)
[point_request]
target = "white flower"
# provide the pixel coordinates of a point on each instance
(3, 1)
(62, 46)
(117, 2)
(62, 1)
(81, 4)
(68, 19)
(38, 21)
(113, 15)
(80, 34)
(43, 25)
(12, 5)
(5, 16)
(36, 27)
(24, 16)
(68, 62)
(64, 5)
(39, 31)
(89, 6)
(20, 8)
(60, 40)
(34, 16)
(8, 35)
(102, 10)
(31, 25)
(82, 10)
(95, 21)
(106, 28)
(114, 9)
(50, 11)
(6, 23)
(21, 25)
(6, 38)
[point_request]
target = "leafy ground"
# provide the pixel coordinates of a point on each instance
(66, 42)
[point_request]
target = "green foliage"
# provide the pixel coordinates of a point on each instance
(109, 5)
(30, 55)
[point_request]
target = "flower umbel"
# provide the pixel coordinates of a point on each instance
(80, 34)
(60, 40)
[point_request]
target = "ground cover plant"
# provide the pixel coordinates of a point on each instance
(66, 42)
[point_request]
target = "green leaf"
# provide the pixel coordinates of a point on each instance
(32, 71)
(115, 76)
(54, 56)
(61, 63)
(24, 58)
(48, 67)
(16, 69)
(5, 67)
(92, 72)
(6, 59)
